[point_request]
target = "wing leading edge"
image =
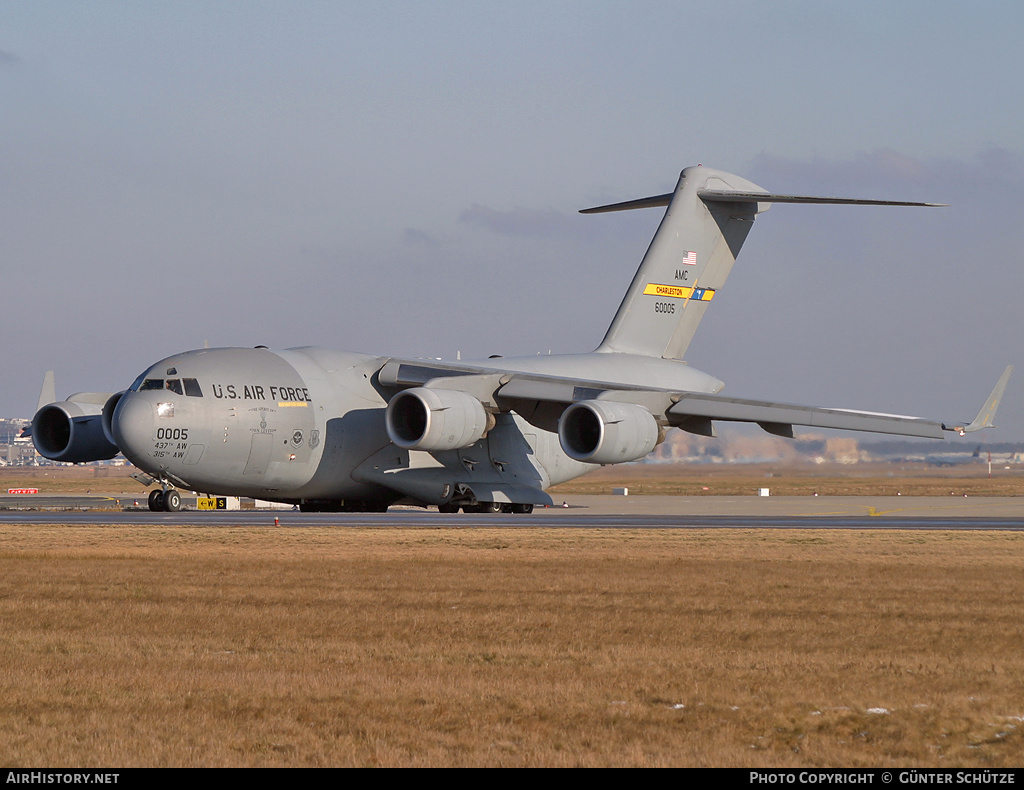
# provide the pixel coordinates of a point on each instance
(693, 412)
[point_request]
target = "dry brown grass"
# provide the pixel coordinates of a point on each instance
(865, 479)
(72, 479)
(507, 646)
(798, 480)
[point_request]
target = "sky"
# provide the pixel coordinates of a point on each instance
(403, 178)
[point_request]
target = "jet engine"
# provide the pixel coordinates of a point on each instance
(434, 420)
(72, 430)
(606, 432)
(107, 416)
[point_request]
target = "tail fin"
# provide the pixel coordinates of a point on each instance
(708, 217)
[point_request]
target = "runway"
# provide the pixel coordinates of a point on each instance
(581, 512)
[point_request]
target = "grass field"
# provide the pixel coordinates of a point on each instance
(865, 479)
(199, 646)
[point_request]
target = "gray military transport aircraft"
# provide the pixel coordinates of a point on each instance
(341, 431)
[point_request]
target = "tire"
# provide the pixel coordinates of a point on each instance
(156, 500)
(526, 509)
(172, 501)
(490, 507)
(320, 506)
(447, 508)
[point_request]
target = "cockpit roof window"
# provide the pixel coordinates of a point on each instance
(192, 388)
(152, 384)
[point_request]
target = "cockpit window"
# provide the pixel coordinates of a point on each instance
(152, 384)
(192, 388)
(174, 385)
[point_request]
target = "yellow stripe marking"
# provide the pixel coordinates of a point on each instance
(677, 291)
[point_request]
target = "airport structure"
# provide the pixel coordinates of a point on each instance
(15, 449)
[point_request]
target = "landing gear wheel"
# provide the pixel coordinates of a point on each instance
(172, 501)
(448, 508)
(156, 500)
(506, 508)
(490, 507)
(527, 509)
(320, 506)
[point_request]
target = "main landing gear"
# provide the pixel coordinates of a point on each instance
(168, 501)
(486, 507)
(343, 506)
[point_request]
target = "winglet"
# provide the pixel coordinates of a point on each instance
(48, 392)
(47, 395)
(988, 411)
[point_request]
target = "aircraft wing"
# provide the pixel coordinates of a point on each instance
(693, 412)
(779, 418)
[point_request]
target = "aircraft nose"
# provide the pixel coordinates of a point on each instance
(132, 426)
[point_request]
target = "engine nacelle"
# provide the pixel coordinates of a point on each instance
(606, 432)
(72, 430)
(434, 420)
(107, 416)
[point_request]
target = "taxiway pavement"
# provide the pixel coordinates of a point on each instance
(627, 512)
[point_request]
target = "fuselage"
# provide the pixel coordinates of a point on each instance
(309, 423)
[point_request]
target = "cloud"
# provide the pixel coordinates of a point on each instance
(526, 223)
(417, 237)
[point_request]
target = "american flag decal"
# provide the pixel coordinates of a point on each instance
(690, 259)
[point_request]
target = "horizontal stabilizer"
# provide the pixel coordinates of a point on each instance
(648, 202)
(729, 196)
(733, 196)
